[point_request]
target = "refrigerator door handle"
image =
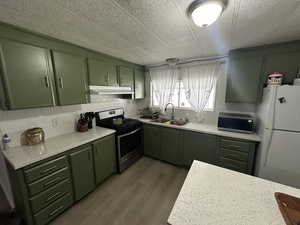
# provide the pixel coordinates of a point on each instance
(271, 108)
(267, 144)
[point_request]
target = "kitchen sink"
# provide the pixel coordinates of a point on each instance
(168, 121)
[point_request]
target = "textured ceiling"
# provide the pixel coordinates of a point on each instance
(149, 31)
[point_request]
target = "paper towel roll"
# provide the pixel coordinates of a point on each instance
(297, 82)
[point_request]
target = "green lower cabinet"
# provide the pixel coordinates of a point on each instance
(152, 141)
(235, 154)
(181, 147)
(82, 171)
(198, 146)
(170, 145)
(104, 151)
(45, 189)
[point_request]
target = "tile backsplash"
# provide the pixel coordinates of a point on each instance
(60, 119)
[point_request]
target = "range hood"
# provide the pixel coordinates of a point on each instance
(111, 90)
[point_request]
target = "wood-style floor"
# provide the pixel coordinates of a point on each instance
(144, 194)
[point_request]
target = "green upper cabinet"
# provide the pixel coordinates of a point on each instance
(126, 77)
(152, 141)
(104, 157)
(198, 146)
(82, 171)
(139, 84)
(26, 76)
(170, 145)
(243, 79)
(71, 76)
(102, 73)
(286, 63)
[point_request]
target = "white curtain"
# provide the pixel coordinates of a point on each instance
(198, 81)
(163, 81)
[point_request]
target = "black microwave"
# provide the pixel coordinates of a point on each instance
(242, 123)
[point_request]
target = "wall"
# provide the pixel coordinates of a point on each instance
(55, 121)
(220, 105)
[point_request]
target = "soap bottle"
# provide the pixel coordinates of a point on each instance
(5, 141)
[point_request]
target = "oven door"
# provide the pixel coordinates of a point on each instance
(129, 144)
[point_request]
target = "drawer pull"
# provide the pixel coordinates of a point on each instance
(48, 170)
(52, 181)
(54, 196)
(56, 211)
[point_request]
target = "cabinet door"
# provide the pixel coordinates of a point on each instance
(70, 74)
(170, 145)
(197, 146)
(102, 73)
(104, 158)
(82, 171)
(152, 141)
(243, 79)
(286, 63)
(26, 75)
(139, 84)
(125, 76)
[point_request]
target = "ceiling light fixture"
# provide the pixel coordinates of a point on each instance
(206, 12)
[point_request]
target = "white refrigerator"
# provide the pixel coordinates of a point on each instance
(278, 157)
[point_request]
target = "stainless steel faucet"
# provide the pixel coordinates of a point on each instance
(172, 118)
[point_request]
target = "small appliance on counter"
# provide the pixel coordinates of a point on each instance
(297, 79)
(235, 122)
(128, 135)
(34, 136)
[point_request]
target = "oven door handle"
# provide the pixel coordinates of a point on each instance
(132, 132)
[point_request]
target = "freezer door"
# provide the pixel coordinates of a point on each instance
(282, 160)
(287, 108)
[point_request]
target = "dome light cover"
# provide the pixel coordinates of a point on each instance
(206, 12)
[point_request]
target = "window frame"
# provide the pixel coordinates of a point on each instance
(184, 108)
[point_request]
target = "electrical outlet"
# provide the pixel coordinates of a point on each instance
(54, 123)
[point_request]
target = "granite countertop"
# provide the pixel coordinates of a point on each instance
(207, 128)
(213, 195)
(22, 156)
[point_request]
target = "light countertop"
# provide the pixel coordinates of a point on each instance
(208, 129)
(22, 156)
(213, 195)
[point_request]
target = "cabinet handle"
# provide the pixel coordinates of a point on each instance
(53, 196)
(89, 156)
(108, 78)
(47, 81)
(56, 211)
(52, 181)
(61, 82)
(47, 170)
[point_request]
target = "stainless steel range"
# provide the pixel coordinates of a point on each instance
(128, 135)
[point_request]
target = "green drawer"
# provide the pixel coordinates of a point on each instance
(53, 210)
(233, 165)
(235, 145)
(236, 155)
(52, 194)
(45, 169)
(48, 181)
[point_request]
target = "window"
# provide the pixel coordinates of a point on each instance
(179, 98)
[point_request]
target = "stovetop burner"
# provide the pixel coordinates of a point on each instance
(105, 119)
